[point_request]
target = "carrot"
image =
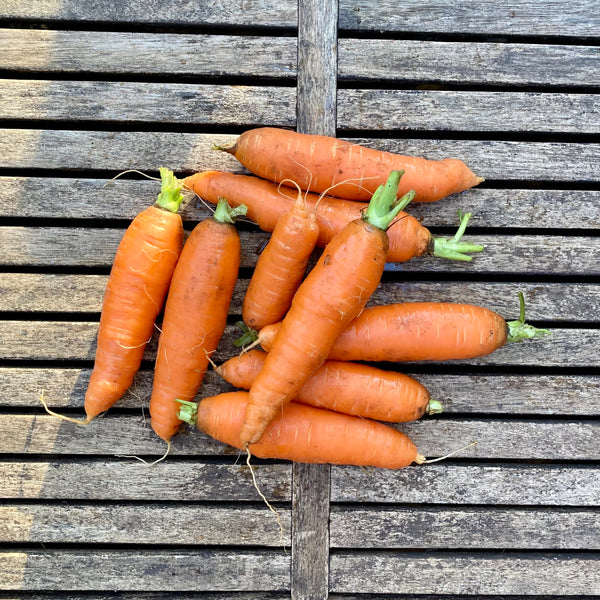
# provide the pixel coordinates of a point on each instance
(333, 293)
(415, 331)
(195, 315)
(266, 202)
(318, 162)
(346, 387)
(281, 266)
(134, 295)
(304, 433)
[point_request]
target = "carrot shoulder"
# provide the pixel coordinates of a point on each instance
(421, 331)
(346, 387)
(195, 315)
(305, 434)
(267, 202)
(135, 293)
(319, 162)
(333, 293)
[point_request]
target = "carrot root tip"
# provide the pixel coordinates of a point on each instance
(85, 421)
(147, 463)
(264, 498)
(420, 460)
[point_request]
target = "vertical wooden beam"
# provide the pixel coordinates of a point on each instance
(316, 113)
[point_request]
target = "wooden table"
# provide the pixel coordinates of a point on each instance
(91, 89)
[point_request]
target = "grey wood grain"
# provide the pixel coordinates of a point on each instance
(506, 254)
(316, 114)
(504, 18)
(114, 150)
(560, 302)
(465, 573)
(65, 387)
(112, 102)
(135, 12)
(128, 479)
(118, 523)
(503, 484)
(473, 528)
(460, 394)
(497, 439)
(483, 63)
(123, 199)
(153, 570)
(180, 54)
(543, 162)
(427, 110)
(398, 110)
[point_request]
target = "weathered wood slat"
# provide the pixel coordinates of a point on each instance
(465, 394)
(147, 102)
(248, 106)
(496, 439)
(426, 110)
(452, 573)
(134, 12)
(66, 387)
(117, 151)
(164, 524)
(198, 570)
(47, 197)
(193, 480)
(57, 340)
(129, 479)
(530, 18)
(515, 254)
(445, 483)
(110, 52)
(316, 114)
(572, 302)
(465, 528)
(482, 63)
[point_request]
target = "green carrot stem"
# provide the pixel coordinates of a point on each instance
(225, 214)
(519, 330)
(434, 407)
(170, 196)
(452, 248)
(385, 204)
(188, 411)
(248, 335)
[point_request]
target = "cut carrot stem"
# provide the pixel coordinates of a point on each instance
(452, 248)
(519, 330)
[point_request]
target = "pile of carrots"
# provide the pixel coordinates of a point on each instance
(310, 394)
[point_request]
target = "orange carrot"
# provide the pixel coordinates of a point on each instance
(266, 202)
(332, 294)
(304, 434)
(416, 331)
(346, 387)
(134, 295)
(195, 315)
(319, 162)
(281, 266)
